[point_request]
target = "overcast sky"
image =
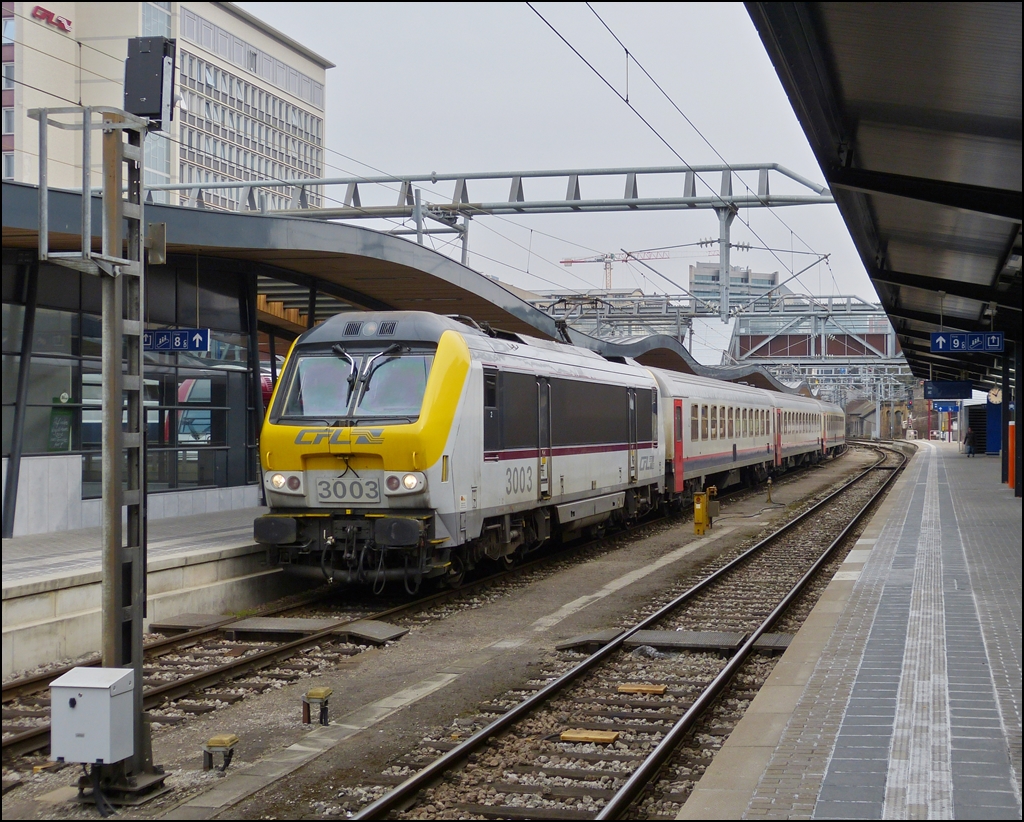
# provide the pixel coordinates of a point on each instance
(470, 87)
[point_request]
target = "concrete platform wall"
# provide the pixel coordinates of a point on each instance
(50, 497)
(49, 620)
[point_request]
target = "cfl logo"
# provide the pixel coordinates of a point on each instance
(47, 16)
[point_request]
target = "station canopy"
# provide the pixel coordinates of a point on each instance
(349, 268)
(913, 111)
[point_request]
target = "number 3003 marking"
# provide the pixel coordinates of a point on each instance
(518, 479)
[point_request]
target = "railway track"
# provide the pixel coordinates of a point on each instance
(203, 662)
(200, 668)
(644, 691)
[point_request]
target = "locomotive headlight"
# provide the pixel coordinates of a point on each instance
(399, 484)
(285, 483)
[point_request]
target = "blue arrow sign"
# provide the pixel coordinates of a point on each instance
(944, 342)
(947, 407)
(177, 339)
(947, 342)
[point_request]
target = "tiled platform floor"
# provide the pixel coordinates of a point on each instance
(76, 552)
(901, 697)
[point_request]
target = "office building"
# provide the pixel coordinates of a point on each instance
(251, 99)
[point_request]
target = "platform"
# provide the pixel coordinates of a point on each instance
(901, 695)
(66, 553)
(205, 563)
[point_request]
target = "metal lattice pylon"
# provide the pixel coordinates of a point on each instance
(120, 267)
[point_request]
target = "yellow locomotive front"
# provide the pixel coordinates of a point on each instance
(353, 447)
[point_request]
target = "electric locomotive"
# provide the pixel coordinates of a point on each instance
(408, 446)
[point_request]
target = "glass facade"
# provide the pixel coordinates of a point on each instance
(201, 420)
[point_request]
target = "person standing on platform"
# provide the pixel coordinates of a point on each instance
(969, 442)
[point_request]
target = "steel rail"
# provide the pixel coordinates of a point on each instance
(422, 778)
(30, 684)
(37, 738)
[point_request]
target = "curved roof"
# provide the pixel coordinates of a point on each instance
(367, 268)
(662, 351)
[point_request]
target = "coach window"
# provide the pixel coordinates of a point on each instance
(714, 422)
(703, 422)
(694, 424)
(743, 430)
(732, 429)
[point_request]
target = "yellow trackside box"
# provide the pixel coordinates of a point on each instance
(700, 512)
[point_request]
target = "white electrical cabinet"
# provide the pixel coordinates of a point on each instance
(91, 715)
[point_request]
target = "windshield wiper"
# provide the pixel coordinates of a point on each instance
(339, 351)
(372, 365)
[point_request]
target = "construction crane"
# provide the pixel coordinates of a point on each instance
(610, 258)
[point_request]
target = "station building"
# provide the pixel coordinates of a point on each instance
(252, 109)
(252, 104)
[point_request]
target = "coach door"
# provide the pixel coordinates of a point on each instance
(632, 436)
(778, 437)
(543, 438)
(677, 454)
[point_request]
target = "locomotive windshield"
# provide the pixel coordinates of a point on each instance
(350, 388)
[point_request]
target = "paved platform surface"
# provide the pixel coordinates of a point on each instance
(72, 553)
(901, 696)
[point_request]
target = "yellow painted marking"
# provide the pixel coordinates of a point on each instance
(222, 741)
(598, 737)
(642, 689)
(319, 693)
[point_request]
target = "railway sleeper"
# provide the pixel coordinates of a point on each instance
(555, 791)
(512, 812)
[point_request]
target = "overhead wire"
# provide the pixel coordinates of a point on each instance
(649, 125)
(496, 216)
(481, 225)
(484, 226)
(667, 96)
